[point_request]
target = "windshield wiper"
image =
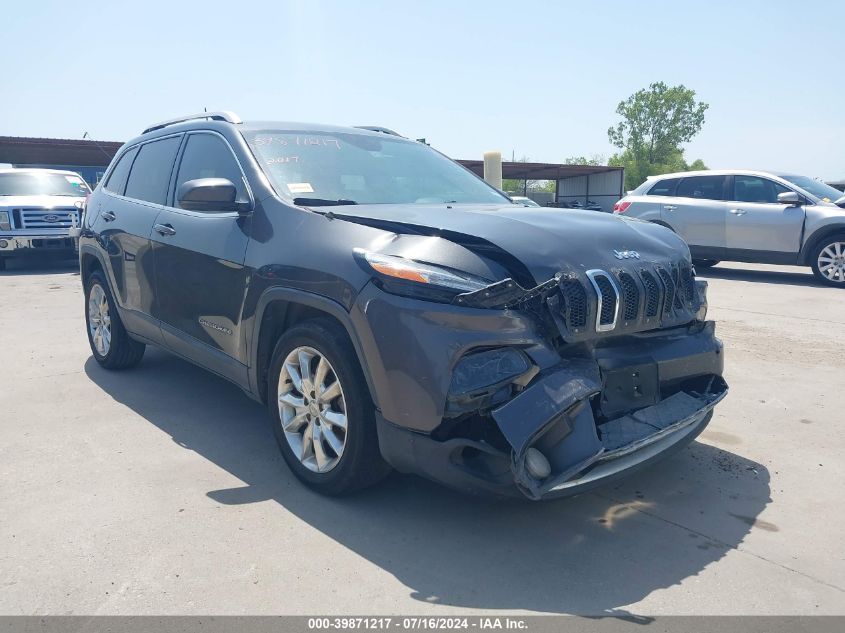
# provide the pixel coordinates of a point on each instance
(321, 202)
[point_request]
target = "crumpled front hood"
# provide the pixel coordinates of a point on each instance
(546, 241)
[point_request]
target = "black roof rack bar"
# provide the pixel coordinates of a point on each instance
(221, 115)
(376, 128)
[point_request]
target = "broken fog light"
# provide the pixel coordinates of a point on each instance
(701, 293)
(487, 369)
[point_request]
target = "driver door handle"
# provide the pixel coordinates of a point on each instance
(164, 229)
(738, 212)
(108, 216)
(669, 207)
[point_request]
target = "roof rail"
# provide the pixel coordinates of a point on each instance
(376, 128)
(221, 115)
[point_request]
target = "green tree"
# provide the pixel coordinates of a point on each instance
(655, 123)
(595, 159)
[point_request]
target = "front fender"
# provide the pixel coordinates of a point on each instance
(318, 302)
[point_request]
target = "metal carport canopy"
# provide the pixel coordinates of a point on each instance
(539, 171)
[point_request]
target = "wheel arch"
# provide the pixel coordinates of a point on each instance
(89, 261)
(812, 242)
(662, 223)
(278, 310)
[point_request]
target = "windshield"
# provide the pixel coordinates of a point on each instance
(42, 184)
(346, 168)
(825, 192)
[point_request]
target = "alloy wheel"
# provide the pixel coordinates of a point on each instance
(831, 262)
(99, 319)
(312, 409)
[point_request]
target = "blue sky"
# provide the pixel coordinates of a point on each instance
(540, 79)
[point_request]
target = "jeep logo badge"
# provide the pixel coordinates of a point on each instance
(626, 254)
(51, 218)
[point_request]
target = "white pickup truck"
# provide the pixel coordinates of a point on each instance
(39, 211)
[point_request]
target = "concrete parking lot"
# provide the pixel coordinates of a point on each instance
(160, 490)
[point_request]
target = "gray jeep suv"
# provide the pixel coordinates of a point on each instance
(748, 216)
(392, 309)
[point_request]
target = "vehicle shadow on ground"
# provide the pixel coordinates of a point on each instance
(761, 276)
(592, 554)
(47, 266)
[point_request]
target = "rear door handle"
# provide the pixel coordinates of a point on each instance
(738, 211)
(108, 216)
(164, 229)
(669, 207)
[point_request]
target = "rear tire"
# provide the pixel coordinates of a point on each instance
(704, 263)
(828, 260)
(110, 344)
(322, 414)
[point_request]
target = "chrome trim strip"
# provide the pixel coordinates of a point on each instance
(591, 275)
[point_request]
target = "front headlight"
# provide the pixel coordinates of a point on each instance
(4, 221)
(416, 279)
(489, 368)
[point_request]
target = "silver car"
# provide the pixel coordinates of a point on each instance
(748, 216)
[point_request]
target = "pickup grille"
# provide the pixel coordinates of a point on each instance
(639, 297)
(44, 218)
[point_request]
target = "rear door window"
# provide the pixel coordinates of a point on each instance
(117, 179)
(664, 187)
(756, 189)
(702, 187)
(150, 175)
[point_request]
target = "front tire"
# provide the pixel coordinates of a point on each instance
(110, 344)
(828, 260)
(322, 414)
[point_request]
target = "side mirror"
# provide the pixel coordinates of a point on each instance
(789, 197)
(840, 202)
(209, 195)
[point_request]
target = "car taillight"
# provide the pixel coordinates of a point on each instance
(621, 207)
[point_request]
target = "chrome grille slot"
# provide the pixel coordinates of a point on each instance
(608, 294)
(631, 294)
(652, 294)
(668, 288)
(688, 283)
(679, 287)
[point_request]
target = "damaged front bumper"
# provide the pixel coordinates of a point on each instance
(581, 423)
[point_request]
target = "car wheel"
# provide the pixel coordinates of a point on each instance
(323, 416)
(704, 263)
(828, 260)
(110, 344)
